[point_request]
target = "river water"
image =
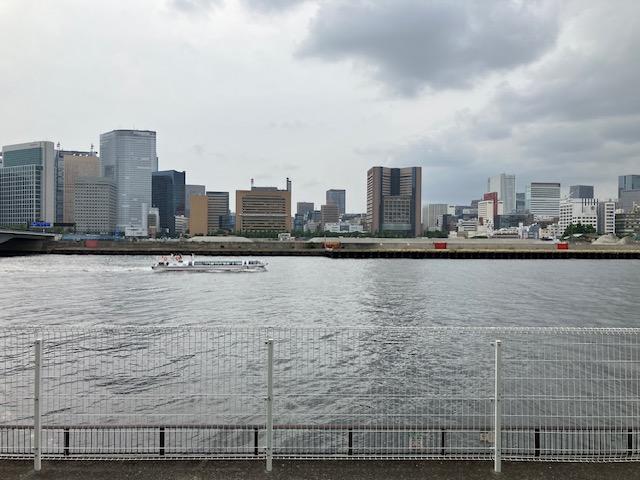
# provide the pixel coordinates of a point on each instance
(321, 292)
(349, 345)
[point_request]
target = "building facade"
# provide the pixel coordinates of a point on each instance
(168, 196)
(543, 199)
(28, 184)
(505, 187)
(394, 197)
(94, 206)
(628, 223)
(329, 214)
(263, 209)
(73, 165)
(190, 190)
(337, 197)
(432, 215)
(607, 217)
(581, 191)
(129, 158)
(217, 211)
(575, 211)
(628, 182)
(198, 217)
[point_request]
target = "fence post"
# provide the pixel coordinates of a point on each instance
(269, 449)
(497, 404)
(37, 420)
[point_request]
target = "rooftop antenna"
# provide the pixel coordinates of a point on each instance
(58, 146)
(91, 151)
(252, 184)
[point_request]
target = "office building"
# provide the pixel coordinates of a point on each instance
(575, 211)
(153, 222)
(198, 219)
(168, 196)
(27, 184)
(182, 224)
(94, 204)
(190, 190)
(394, 198)
(628, 182)
(581, 191)
(521, 203)
(263, 209)
(329, 214)
(337, 197)
(217, 211)
(606, 217)
(432, 214)
(72, 165)
(486, 212)
(343, 227)
(505, 187)
(543, 199)
(628, 223)
(129, 157)
(304, 208)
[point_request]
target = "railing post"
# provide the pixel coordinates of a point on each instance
(269, 449)
(37, 419)
(497, 404)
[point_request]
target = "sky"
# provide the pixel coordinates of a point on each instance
(322, 90)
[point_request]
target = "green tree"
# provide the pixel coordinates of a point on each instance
(578, 228)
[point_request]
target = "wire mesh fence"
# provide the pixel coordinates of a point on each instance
(375, 393)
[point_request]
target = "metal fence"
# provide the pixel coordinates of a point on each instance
(551, 394)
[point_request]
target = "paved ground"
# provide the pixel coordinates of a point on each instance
(325, 470)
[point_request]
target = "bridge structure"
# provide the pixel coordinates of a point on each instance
(17, 242)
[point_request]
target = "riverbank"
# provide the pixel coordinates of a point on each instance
(363, 248)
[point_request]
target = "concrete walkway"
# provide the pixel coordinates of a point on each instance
(352, 470)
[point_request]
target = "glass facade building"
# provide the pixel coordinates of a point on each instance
(27, 184)
(337, 197)
(168, 196)
(129, 158)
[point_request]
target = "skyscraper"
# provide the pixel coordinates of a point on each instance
(543, 199)
(337, 197)
(217, 211)
(129, 157)
(190, 190)
(432, 212)
(394, 197)
(628, 191)
(263, 209)
(27, 183)
(94, 207)
(505, 186)
(167, 194)
(581, 191)
(72, 165)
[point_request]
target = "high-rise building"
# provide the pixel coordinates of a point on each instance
(628, 223)
(217, 211)
(72, 165)
(167, 194)
(578, 210)
(129, 157)
(304, 208)
(94, 209)
(394, 197)
(28, 184)
(198, 218)
(190, 190)
(628, 191)
(607, 217)
(431, 215)
(329, 214)
(543, 199)
(521, 203)
(263, 209)
(505, 186)
(581, 191)
(337, 197)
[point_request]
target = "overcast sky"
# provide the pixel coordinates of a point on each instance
(322, 90)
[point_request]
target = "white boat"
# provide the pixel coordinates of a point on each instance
(179, 263)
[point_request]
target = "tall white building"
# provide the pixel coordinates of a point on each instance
(505, 186)
(486, 212)
(578, 210)
(542, 199)
(28, 183)
(129, 157)
(607, 217)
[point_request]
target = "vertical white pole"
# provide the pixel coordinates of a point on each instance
(37, 420)
(269, 450)
(497, 433)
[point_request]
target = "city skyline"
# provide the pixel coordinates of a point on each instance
(330, 68)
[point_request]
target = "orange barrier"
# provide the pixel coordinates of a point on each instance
(440, 245)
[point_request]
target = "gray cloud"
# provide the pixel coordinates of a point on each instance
(194, 6)
(269, 6)
(262, 6)
(410, 44)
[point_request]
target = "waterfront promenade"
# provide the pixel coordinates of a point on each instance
(323, 470)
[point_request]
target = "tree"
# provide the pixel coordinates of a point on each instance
(578, 228)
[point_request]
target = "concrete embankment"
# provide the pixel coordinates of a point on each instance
(364, 248)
